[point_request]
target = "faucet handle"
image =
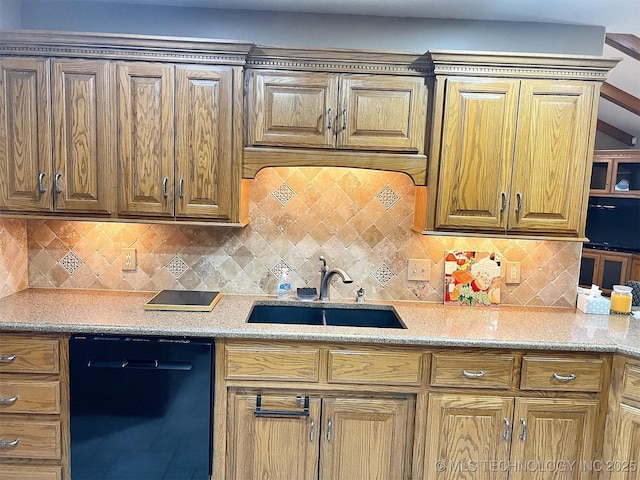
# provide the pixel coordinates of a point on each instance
(324, 262)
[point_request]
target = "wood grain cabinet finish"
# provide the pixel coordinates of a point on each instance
(338, 438)
(563, 374)
(472, 370)
(626, 448)
(67, 168)
(483, 435)
(528, 175)
(34, 408)
(25, 134)
(330, 110)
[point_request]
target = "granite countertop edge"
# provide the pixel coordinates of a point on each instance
(70, 311)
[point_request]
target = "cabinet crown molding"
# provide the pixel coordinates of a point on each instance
(524, 65)
(123, 47)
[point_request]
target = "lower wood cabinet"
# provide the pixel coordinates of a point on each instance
(490, 437)
(282, 436)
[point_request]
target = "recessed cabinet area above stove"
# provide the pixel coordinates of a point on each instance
(496, 143)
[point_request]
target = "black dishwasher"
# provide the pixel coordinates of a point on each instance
(141, 408)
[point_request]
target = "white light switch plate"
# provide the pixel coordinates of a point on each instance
(418, 270)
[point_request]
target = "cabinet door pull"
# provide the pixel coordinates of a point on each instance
(164, 187)
(312, 428)
(40, 184)
(523, 435)
(180, 188)
(507, 430)
(519, 207)
(259, 412)
(329, 428)
(9, 400)
(9, 444)
(565, 378)
(504, 202)
(329, 118)
(344, 119)
(8, 359)
(57, 183)
(468, 374)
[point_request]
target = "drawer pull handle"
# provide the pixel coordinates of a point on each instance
(165, 194)
(467, 374)
(181, 188)
(312, 429)
(519, 198)
(259, 412)
(41, 188)
(564, 378)
(329, 429)
(329, 118)
(504, 202)
(13, 399)
(344, 119)
(9, 444)
(8, 359)
(507, 430)
(523, 435)
(56, 182)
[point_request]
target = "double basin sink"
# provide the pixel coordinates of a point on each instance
(373, 316)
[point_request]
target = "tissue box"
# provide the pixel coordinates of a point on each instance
(598, 305)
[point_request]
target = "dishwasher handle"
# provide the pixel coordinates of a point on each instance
(139, 364)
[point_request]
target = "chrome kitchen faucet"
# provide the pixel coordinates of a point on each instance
(325, 279)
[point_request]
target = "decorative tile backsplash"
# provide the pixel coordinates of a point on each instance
(13, 256)
(358, 220)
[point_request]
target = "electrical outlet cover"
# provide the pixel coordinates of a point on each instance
(129, 260)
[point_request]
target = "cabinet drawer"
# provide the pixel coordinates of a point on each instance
(631, 382)
(29, 396)
(25, 472)
(29, 355)
(35, 439)
(375, 366)
(472, 370)
(545, 373)
(294, 363)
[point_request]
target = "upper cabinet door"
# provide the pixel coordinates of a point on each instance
(84, 166)
(206, 180)
(554, 138)
(293, 109)
(476, 154)
(383, 113)
(25, 135)
(145, 138)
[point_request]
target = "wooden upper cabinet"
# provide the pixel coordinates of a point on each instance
(84, 166)
(337, 111)
(204, 142)
(145, 138)
(478, 137)
(378, 112)
(25, 135)
(293, 109)
(551, 159)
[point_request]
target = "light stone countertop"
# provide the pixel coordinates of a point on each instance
(428, 324)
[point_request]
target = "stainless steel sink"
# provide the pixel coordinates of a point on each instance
(374, 316)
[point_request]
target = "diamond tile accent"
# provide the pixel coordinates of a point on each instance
(284, 193)
(70, 262)
(387, 197)
(383, 274)
(279, 268)
(176, 266)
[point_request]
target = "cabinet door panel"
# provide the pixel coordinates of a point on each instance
(553, 432)
(25, 135)
(272, 447)
(550, 164)
(145, 139)
(84, 164)
(468, 433)
(476, 153)
(294, 109)
(204, 131)
(380, 113)
(627, 444)
(364, 439)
